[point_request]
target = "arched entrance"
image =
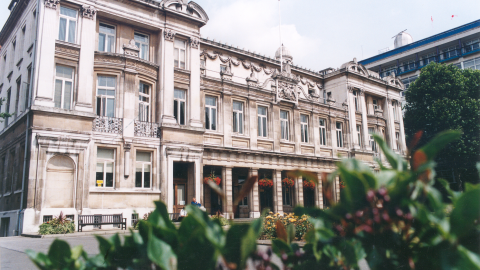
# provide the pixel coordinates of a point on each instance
(59, 184)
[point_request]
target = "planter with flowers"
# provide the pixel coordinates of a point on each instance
(308, 184)
(265, 183)
(287, 182)
(342, 184)
(212, 178)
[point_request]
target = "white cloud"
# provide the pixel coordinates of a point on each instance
(253, 25)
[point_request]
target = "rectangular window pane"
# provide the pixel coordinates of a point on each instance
(235, 122)
(259, 127)
(68, 12)
(180, 94)
(146, 176)
(182, 113)
(175, 109)
(111, 44)
(105, 153)
(211, 101)
(101, 42)
(138, 175)
(214, 119)
(62, 31)
(240, 123)
(207, 118)
(67, 95)
(262, 111)
(282, 127)
(57, 99)
(237, 106)
(71, 31)
(110, 107)
(109, 174)
(264, 127)
(143, 156)
(99, 173)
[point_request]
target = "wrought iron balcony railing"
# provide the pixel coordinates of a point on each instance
(108, 124)
(146, 129)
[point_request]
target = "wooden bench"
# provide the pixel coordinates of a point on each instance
(99, 220)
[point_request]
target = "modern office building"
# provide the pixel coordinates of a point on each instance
(459, 46)
(117, 104)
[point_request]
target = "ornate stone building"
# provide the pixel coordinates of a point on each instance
(117, 104)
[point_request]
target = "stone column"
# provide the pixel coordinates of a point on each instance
(198, 180)
(297, 131)
(277, 192)
(253, 123)
(227, 190)
(169, 190)
(319, 191)
(48, 25)
(85, 63)
(365, 134)
(129, 103)
(390, 124)
(168, 77)
(333, 134)
(195, 102)
(227, 118)
(352, 117)
(254, 200)
(403, 145)
(299, 191)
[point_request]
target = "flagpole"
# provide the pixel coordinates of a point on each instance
(280, 35)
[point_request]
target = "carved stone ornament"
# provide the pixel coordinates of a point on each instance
(169, 35)
(194, 42)
(286, 91)
(131, 49)
(51, 4)
(88, 11)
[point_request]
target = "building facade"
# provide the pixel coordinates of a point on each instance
(459, 46)
(117, 104)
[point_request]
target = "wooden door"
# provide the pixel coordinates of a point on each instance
(180, 195)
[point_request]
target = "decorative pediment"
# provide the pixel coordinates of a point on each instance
(191, 9)
(131, 49)
(286, 91)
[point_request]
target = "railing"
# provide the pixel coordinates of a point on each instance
(146, 129)
(447, 55)
(108, 124)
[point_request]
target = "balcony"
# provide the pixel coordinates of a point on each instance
(146, 129)
(108, 125)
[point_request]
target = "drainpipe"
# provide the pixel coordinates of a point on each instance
(30, 90)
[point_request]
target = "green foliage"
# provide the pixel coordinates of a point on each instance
(222, 221)
(3, 115)
(58, 225)
(447, 98)
(394, 219)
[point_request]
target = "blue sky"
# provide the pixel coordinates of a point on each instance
(323, 34)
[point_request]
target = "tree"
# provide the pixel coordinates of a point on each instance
(3, 115)
(445, 97)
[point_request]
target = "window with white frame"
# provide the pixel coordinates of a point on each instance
(339, 131)
(63, 87)
(134, 219)
(210, 113)
(323, 131)
(472, 64)
(144, 102)
(142, 42)
(262, 121)
(143, 170)
(397, 140)
(238, 117)
(105, 172)
(106, 38)
(180, 53)
(179, 106)
(67, 24)
(106, 96)
(304, 127)
(371, 141)
(284, 125)
(359, 134)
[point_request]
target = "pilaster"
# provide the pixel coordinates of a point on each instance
(227, 119)
(227, 190)
(168, 78)
(253, 124)
(319, 191)
(363, 105)
(195, 100)
(390, 124)
(352, 118)
(299, 191)
(85, 64)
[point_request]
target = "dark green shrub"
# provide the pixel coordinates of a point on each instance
(58, 225)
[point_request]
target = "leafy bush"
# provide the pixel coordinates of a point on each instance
(58, 225)
(395, 219)
(300, 224)
(221, 220)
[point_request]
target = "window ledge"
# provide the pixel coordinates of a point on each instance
(182, 70)
(125, 191)
(237, 135)
(64, 43)
(213, 132)
(307, 144)
(264, 139)
(287, 142)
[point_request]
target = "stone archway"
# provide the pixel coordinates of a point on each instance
(59, 185)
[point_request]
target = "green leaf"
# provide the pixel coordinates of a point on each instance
(39, 259)
(161, 254)
(466, 211)
(291, 232)
(160, 217)
(279, 246)
(395, 160)
(468, 259)
(59, 254)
